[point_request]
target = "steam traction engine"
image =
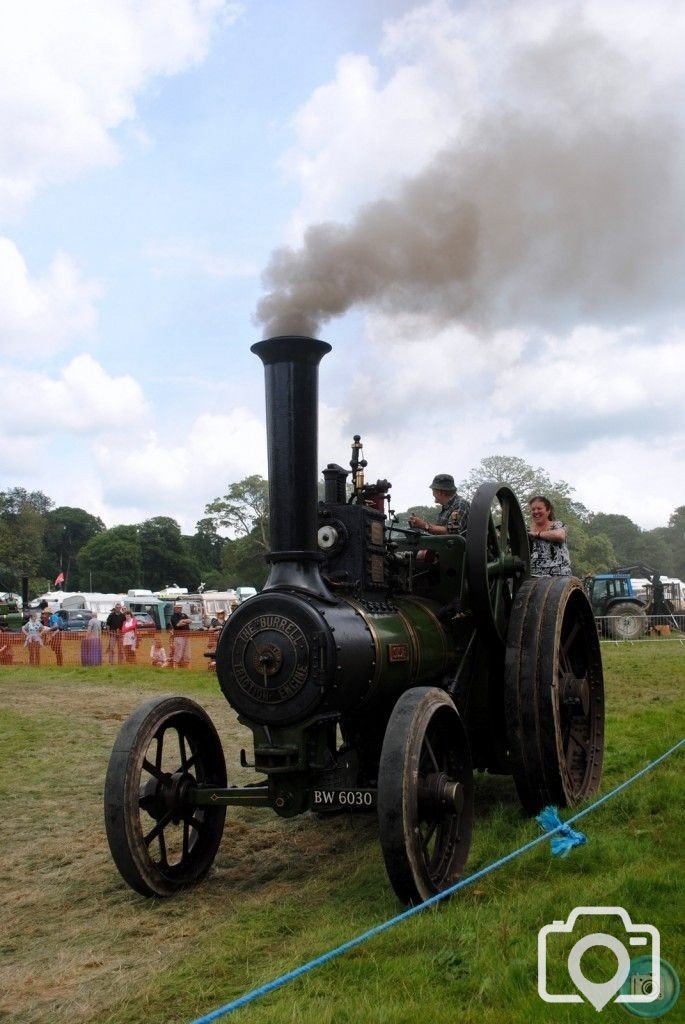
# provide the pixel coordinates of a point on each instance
(376, 670)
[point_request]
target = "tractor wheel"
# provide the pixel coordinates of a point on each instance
(554, 694)
(159, 842)
(626, 621)
(425, 795)
(497, 558)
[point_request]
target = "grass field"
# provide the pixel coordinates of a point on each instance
(78, 946)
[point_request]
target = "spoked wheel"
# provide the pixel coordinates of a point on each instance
(158, 840)
(554, 694)
(497, 558)
(425, 795)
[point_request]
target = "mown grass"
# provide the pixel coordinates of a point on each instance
(77, 945)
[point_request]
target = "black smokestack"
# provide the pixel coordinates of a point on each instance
(291, 370)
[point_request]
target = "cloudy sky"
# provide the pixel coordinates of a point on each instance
(479, 205)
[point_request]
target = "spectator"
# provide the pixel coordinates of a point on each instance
(548, 551)
(129, 636)
(33, 631)
(91, 645)
(180, 624)
(55, 626)
(158, 655)
(115, 621)
(218, 621)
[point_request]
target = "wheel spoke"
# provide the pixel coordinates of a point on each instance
(163, 858)
(158, 828)
(569, 640)
(182, 750)
(154, 770)
(504, 525)
(428, 747)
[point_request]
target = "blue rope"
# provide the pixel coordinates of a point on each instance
(378, 929)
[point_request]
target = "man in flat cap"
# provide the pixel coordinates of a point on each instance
(454, 512)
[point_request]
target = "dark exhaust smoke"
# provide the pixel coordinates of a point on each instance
(563, 207)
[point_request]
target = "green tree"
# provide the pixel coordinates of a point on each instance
(674, 535)
(112, 560)
(23, 515)
(656, 552)
(243, 562)
(66, 531)
(18, 499)
(524, 480)
(205, 548)
(590, 554)
(164, 556)
(623, 533)
(244, 511)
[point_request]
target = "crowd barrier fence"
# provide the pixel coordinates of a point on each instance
(71, 649)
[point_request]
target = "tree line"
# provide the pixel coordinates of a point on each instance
(42, 542)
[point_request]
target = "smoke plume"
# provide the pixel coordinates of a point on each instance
(563, 204)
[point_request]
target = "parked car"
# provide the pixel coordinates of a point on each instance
(75, 620)
(145, 620)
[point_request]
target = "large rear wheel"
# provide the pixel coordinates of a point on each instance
(425, 795)
(554, 694)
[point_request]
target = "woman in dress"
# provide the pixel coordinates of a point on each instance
(91, 645)
(548, 550)
(129, 636)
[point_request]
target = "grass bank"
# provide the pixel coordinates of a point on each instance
(77, 945)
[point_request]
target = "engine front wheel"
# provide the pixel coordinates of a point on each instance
(158, 841)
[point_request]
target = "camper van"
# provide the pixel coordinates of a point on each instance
(78, 601)
(200, 608)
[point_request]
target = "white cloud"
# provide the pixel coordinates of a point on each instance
(69, 74)
(42, 313)
(83, 399)
(442, 66)
(178, 475)
(602, 410)
(595, 383)
(361, 135)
